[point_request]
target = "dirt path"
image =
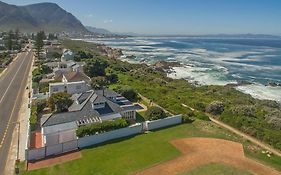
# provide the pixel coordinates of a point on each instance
(151, 103)
(202, 151)
(248, 137)
(240, 133)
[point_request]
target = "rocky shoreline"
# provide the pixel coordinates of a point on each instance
(167, 66)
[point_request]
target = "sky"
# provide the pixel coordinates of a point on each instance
(181, 17)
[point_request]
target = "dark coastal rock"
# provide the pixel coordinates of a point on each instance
(274, 84)
(110, 52)
(131, 56)
(239, 83)
(166, 64)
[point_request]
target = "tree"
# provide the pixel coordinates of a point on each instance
(51, 36)
(128, 93)
(40, 36)
(215, 108)
(9, 40)
(112, 78)
(155, 113)
(45, 69)
(95, 68)
(99, 82)
(57, 55)
(60, 101)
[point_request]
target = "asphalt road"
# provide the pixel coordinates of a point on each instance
(12, 87)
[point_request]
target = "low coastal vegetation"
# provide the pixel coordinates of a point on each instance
(259, 118)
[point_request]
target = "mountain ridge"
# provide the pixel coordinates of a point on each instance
(41, 16)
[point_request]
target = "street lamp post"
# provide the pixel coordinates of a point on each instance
(18, 149)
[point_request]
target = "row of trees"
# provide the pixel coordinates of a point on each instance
(12, 40)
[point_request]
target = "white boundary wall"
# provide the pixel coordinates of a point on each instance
(59, 148)
(99, 138)
(169, 121)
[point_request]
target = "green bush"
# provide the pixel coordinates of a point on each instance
(155, 113)
(202, 116)
(215, 108)
(128, 92)
(186, 119)
(33, 117)
(105, 126)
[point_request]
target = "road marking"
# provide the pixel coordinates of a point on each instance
(11, 81)
(10, 117)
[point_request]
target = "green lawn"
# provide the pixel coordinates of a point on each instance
(131, 154)
(217, 169)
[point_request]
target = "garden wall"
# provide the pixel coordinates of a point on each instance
(169, 121)
(99, 138)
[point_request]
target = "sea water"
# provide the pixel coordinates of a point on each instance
(212, 60)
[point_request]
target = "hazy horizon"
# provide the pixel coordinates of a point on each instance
(167, 17)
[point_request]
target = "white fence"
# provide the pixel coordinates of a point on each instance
(60, 137)
(161, 123)
(99, 138)
(40, 153)
(59, 148)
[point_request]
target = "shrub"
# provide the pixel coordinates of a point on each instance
(155, 113)
(202, 116)
(186, 119)
(37, 78)
(215, 108)
(98, 82)
(274, 118)
(33, 117)
(105, 126)
(128, 93)
(41, 104)
(244, 110)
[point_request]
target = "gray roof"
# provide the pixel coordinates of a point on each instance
(82, 108)
(132, 107)
(108, 93)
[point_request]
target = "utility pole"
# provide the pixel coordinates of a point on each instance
(17, 171)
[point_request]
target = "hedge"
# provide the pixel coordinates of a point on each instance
(105, 126)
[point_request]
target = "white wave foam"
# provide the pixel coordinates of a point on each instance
(199, 75)
(262, 92)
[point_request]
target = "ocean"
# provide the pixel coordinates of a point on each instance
(212, 60)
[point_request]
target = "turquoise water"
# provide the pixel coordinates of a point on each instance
(209, 61)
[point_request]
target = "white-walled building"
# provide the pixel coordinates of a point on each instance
(69, 87)
(94, 106)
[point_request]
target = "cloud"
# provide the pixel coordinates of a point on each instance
(108, 21)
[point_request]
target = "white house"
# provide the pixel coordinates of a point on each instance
(69, 87)
(88, 108)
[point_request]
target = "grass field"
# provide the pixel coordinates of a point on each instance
(131, 154)
(217, 169)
